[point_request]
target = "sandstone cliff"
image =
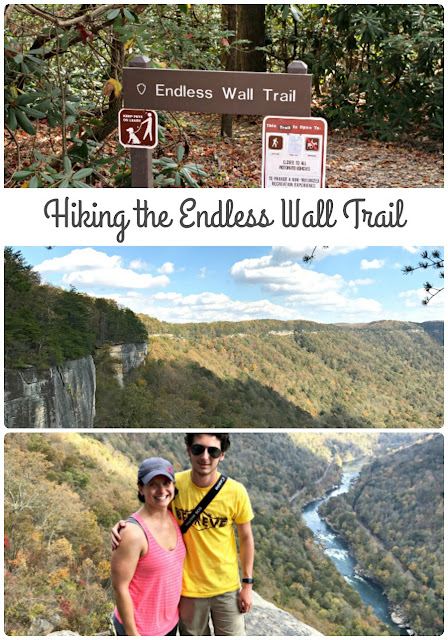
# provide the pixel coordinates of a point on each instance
(128, 357)
(61, 397)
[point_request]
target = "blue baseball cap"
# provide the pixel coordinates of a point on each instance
(152, 467)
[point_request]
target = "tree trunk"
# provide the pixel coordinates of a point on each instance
(110, 117)
(252, 27)
(228, 16)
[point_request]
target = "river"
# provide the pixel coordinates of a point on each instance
(336, 549)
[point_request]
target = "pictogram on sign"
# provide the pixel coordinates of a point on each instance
(138, 128)
(312, 144)
(275, 142)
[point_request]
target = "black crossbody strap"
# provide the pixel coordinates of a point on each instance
(194, 515)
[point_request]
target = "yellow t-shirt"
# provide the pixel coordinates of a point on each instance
(211, 563)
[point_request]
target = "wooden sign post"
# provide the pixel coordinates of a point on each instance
(232, 92)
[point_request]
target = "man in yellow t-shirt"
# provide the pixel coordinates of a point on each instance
(211, 584)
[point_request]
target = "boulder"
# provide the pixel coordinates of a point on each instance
(40, 627)
(265, 619)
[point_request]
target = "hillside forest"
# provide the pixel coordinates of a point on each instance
(46, 325)
(64, 491)
(266, 373)
(259, 373)
(402, 489)
(377, 78)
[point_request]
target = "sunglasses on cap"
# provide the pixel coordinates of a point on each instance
(198, 449)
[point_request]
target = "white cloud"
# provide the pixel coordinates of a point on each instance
(78, 260)
(311, 294)
(203, 271)
(285, 278)
(122, 278)
(91, 268)
(202, 307)
(359, 282)
(166, 268)
(412, 249)
(332, 305)
(161, 295)
(138, 265)
(372, 264)
(413, 300)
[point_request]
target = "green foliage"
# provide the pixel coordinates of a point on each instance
(393, 519)
(379, 67)
(177, 36)
(34, 92)
(59, 78)
(30, 66)
(41, 173)
(46, 325)
(176, 173)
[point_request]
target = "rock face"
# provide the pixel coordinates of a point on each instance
(265, 619)
(128, 356)
(40, 627)
(61, 397)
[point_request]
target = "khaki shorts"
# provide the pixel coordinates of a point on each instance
(223, 609)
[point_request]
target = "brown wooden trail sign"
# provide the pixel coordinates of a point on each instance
(239, 92)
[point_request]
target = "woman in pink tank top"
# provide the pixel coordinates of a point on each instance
(147, 566)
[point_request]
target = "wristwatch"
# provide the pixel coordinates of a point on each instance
(248, 580)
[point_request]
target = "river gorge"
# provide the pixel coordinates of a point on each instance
(338, 551)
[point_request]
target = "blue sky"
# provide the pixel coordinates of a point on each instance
(205, 284)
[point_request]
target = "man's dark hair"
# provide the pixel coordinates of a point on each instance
(222, 437)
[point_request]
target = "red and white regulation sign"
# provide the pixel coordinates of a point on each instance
(137, 128)
(294, 152)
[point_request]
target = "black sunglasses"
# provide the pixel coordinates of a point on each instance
(198, 449)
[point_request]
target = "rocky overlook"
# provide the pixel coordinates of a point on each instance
(265, 619)
(63, 396)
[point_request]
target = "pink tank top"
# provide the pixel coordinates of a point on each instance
(156, 585)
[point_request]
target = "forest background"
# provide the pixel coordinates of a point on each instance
(377, 74)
